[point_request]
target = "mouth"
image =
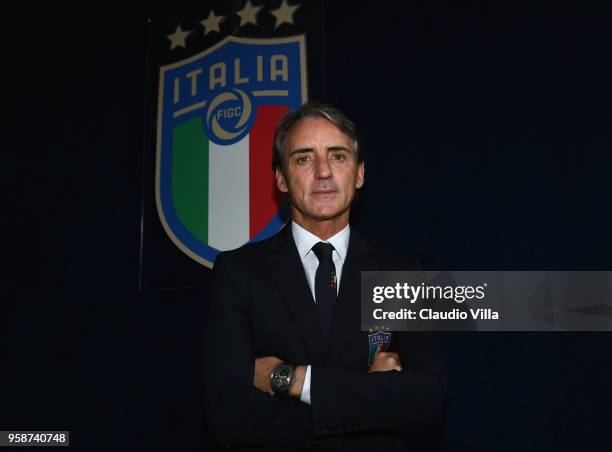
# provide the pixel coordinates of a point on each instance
(324, 194)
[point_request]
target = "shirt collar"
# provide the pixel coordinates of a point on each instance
(305, 240)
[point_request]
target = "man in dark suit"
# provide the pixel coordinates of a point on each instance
(287, 364)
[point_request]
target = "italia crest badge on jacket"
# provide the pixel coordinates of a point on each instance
(379, 341)
(216, 114)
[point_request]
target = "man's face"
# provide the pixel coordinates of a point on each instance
(320, 171)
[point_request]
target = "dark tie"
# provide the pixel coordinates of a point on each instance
(325, 288)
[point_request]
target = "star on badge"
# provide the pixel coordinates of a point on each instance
(177, 39)
(284, 14)
(248, 14)
(211, 23)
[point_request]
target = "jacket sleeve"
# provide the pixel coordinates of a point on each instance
(237, 412)
(352, 401)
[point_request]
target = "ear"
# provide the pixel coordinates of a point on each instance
(360, 175)
(281, 184)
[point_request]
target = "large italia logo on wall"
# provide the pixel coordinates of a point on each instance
(217, 111)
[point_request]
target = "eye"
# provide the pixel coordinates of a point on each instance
(302, 159)
(339, 157)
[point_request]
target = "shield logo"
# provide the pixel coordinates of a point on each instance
(379, 342)
(217, 110)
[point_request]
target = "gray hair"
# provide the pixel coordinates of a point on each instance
(312, 110)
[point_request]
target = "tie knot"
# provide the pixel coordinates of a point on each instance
(323, 251)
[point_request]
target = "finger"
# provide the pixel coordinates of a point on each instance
(392, 363)
(385, 355)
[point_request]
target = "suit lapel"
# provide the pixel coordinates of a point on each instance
(287, 273)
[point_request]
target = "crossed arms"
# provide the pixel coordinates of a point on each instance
(399, 390)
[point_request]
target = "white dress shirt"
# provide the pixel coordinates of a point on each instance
(304, 241)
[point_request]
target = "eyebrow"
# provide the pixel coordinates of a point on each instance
(330, 148)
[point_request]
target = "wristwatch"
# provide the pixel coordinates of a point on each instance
(282, 378)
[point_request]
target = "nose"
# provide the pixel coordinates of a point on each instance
(323, 169)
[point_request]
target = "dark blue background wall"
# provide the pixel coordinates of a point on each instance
(487, 128)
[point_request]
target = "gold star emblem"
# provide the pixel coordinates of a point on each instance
(177, 39)
(248, 14)
(284, 14)
(211, 23)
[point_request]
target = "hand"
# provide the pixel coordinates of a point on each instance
(263, 367)
(298, 384)
(385, 361)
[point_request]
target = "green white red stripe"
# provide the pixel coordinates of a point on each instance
(223, 211)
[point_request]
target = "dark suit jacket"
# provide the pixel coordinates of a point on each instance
(261, 306)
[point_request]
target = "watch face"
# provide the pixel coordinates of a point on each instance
(281, 378)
